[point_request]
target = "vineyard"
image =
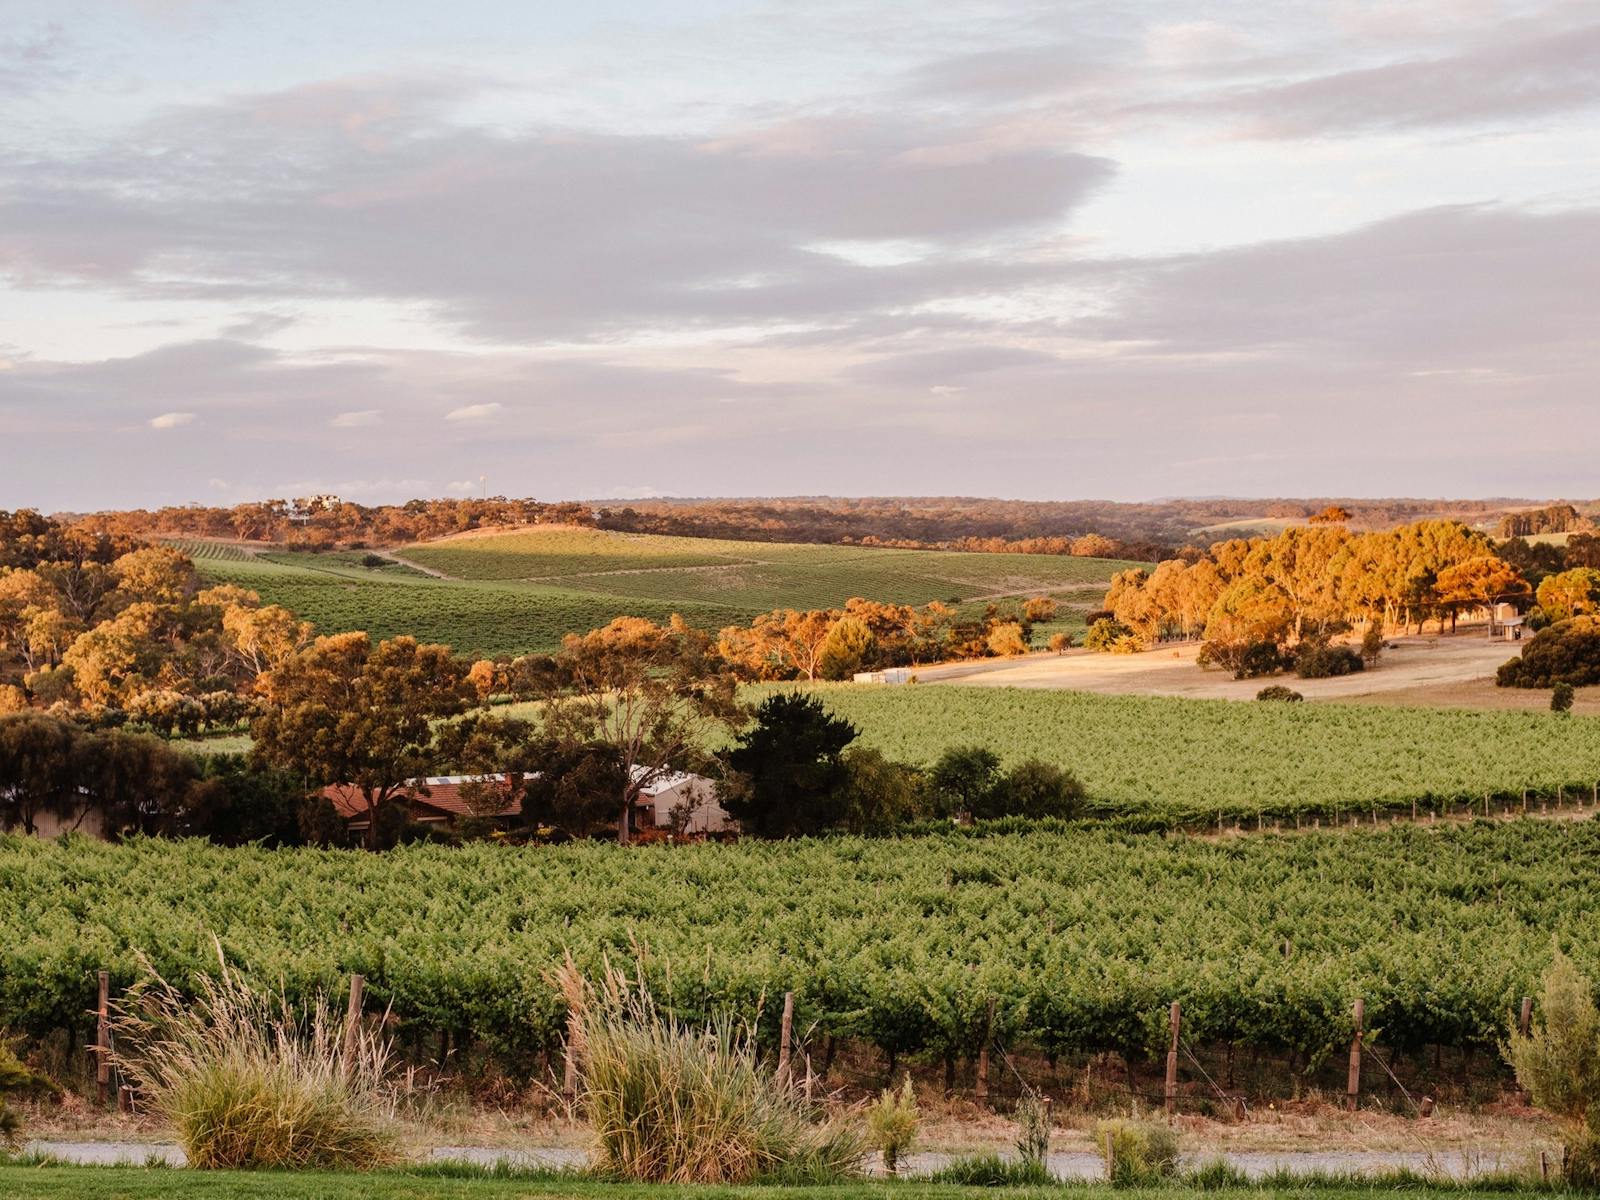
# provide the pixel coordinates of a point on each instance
(474, 618)
(1170, 762)
(493, 607)
(758, 576)
(1081, 937)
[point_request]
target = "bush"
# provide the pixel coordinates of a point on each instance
(1566, 652)
(990, 1170)
(892, 1124)
(1278, 692)
(1558, 1063)
(1033, 1129)
(1141, 1152)
(1031, 789)
(1561, 697)
(671, 1103)
(1320, 660)
(247, 1083)
(1372, 642)
(1103, 634)
(1247, 660)
(16, 1080)
(1060, 643)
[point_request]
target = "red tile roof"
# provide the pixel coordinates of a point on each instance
(443, 795)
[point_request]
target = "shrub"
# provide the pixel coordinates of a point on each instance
(1561, 697)
(1320, 660)
(1247, 660)
(1372, 642)
(892, 1124)
(1105, 633)
(1278, 692)
(247, 1082)
(1141, 1152)
(1033, 1129)
(1566, 652)
(1060, 643)
(671, 1103)
(1031, 789)
(1558, 1063)
(17, 1080)
(1005, 640)
(990, 1170)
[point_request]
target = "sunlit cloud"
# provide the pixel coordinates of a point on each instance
(171, 420)
(473, 412)
(356, 420)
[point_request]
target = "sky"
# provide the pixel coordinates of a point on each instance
(613, 250)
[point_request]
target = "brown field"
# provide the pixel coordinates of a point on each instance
(1452, 671)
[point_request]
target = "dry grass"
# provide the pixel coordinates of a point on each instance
(247, 1082)
(672, 1103)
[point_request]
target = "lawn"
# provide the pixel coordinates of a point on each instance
(521, 592)
(138, 1183)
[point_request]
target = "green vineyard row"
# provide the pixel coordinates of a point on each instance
(1159, 762)
(1081, 937)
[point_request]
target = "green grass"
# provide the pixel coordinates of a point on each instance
(522, 592)
(138, 1183)
(1185, 760)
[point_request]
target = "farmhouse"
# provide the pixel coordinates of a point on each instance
(438, 800)
(680, 801)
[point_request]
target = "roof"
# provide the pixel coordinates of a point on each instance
(444, 794)
(665, 783)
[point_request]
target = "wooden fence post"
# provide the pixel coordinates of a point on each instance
(1174, 1019)
(1111, 1157)
(983, 1056)
(102, 1040)
(785, 1035)
(1353, 1088)
(352, 1015)
(1525, 1016)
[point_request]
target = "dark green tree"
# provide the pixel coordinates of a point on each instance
(963, 778)
(791, 774)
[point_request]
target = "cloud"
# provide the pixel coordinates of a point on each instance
(171, 420)
(361, 419)
(32, 60)
(473, 412)
(1513, 75)
(548, 234)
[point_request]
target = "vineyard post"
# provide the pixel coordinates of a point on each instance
(983, 1055)
(784, 1036)
(352, 1014)
(1353, 1088)
(1174, 1018)
(102, 1040)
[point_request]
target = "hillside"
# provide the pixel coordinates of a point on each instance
(518, 592)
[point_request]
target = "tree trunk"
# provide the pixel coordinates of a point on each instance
(622, 825)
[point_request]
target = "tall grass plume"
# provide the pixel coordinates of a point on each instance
(246, 1081)
(673, 1102)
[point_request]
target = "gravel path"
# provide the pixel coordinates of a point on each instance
(1078, 1165)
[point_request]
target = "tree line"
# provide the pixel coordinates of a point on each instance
(328, 522)
(1306, 585)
